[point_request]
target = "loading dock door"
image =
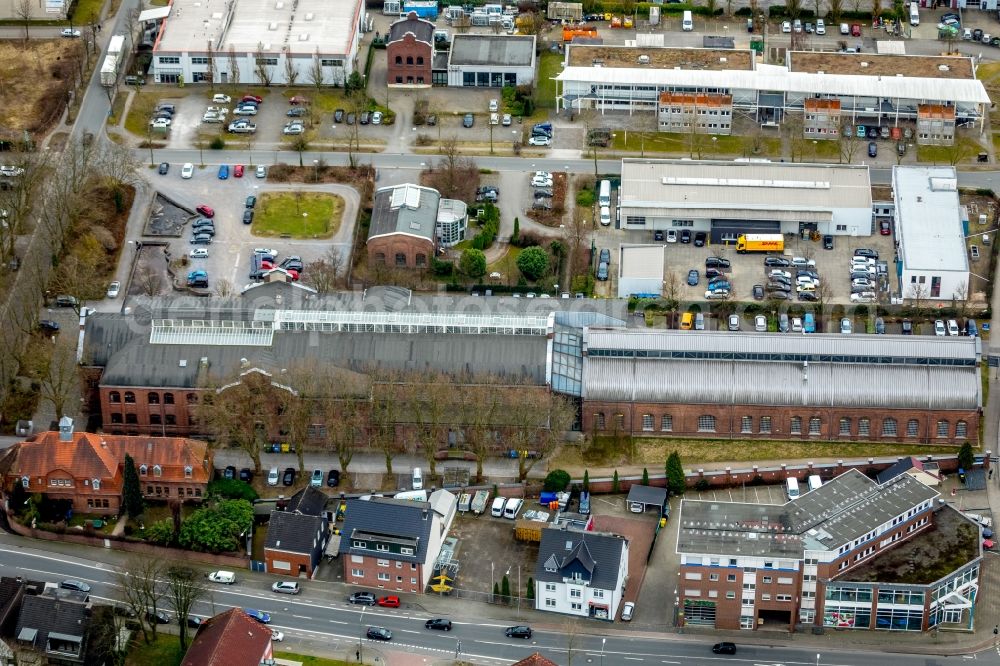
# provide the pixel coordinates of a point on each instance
(726, 231)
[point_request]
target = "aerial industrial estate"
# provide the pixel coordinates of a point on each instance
(498, 334)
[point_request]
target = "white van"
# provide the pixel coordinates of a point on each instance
(914, 14)
(792, 488)
(272, 477)
(814, 482)
(497, 509)
(512, 507)
(604, 196)
(418, 479)
(687, 23)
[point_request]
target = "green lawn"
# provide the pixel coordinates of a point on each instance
(86, 10)
(309, 660)
(824, 150)
(670, 142)
(139, 112)
(298, 214)
(549, 66)
(164, 651)
(964, 150)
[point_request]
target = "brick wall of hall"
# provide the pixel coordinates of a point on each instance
(383, 251)
(409, 61)
(399, 577)
(627, 418)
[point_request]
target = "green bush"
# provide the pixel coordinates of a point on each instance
(533, 263)
(232, 489)
(556, 481)
(585, 198)
(442, 268)
(473, 263)
(217, 143)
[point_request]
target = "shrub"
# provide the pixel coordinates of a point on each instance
(217, 143)
(232, 489)
(533, 263)
(473, 263)
(556, 481)
(585, 198)
(442, 268)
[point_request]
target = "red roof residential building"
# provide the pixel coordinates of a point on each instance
(232, 638)
(88, 468)
(534, 660)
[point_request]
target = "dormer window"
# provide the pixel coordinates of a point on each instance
(157, 471)
(142, 470)
(551, 569)
(25, 482)
(187, 472)
(97, 484)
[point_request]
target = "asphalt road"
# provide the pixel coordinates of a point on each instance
(320, 614)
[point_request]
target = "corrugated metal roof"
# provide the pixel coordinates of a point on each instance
(780, 80)
(765, 188)
(855, 385)
(815, 345)
(641, 261)
(929, 221)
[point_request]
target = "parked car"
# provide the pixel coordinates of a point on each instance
(692, 277)
(734, 322)
(366, 598)
(671, 236)
(246, 475)
(872, 149)
(333, 478)
(885, 228)
(223, 171)
(365, 118)
(776, 262)
(377, 118)
(260, 616)
(628, 610)
(939, 327)
(389, 602)
(520, 631)
(261, 171)
(338, 115)
(685, 236)
(76, 585)
(207, 211)
(539, 141)
(164, 168)
(350, 118)
(286, 587)
(48, 326)
(70, 32)
(907, 327)
(716, 262)
(159, 617)
(194, 622)
(438, 623)
(866, 252)
(198, 253)
(758, 292)
(699, 239)
(288, 478)
(760, 324)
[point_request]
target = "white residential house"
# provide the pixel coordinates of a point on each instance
(581, 573)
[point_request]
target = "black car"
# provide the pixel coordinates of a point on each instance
(907, 327)
(872, 149)
(807, 273)
(758, 292)
(866, 252)
(692, 277)
(699, 239)
(366, 116)
(724, 648)
(292, 266)
(432, 120)
(780, 295)
(164, 168)
(159, 617)
(194, 622)
(716, 262)
(468, 120)
(333, 478)
(48, 326)
(658, 235)
(808, 296)
(518, 632)
(66, 301)
(338, 116)
(246, 475)
(828, 242)
(297, 111)
(379, 634)
(685, 236)
(251, 201)
(776, 262)
(248, 216)
(288, 478)
(543, 193)
(711, 273)
(774, 285)
(350, 118)
(229, 472)
(366, 598)
(438, 623)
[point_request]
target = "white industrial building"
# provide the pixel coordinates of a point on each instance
(930, 238)
(258, 42)
(726, 199)
(640, 270)
(491, 61)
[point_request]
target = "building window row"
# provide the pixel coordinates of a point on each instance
(409, 60)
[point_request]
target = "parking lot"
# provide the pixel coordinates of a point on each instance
(229, 252)
(487, 547)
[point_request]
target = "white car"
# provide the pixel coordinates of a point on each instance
(70, 32)
(198, 253)
(780, 273)
(277, 636)
(802, 262)
(294, 128)
(265, 250)
(541, 182)
(10, 171)
(506, 120)
(805, 279)
(115, 287)
(542, 174)
(820, 27)
(377, 118)
(219, 98)
(845, 29)
(160, 123)
(261, 171)
(627, 611)
(494, 119)
(760, 323)
(864, 297)
(939, 328)
(846, 328)
(717, 294)
(187, 170)
(212, 118)
(952, 327)
(245, 111)
(786, 26)
(494, 106)
(539, 141)
(217, 110)
(671, 236)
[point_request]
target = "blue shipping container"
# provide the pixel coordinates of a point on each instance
(547, 497)
(423, 8)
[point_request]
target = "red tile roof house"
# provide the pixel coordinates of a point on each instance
(88, 468)
(231, 638)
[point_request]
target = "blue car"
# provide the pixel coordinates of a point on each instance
(224, 172)
(260, 616)
(692, 277)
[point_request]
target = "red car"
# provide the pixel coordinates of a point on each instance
(389, 602)
(238, 171)
(884, 228)
(294, 274)
(207, 211)
(855, 30)
(298, 99)
(266, 265)
(252, 98)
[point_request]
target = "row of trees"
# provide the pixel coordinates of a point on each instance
(389, 412)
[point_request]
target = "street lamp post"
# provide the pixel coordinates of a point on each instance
(492, 582)
(603, 641)
(817, 659)
(315, 171)
(361, 635)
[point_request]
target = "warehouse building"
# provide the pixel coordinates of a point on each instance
(839, 557)
(726, 199)
(491, 61)
(930, 238)
(665, 383)
(640, 270)
(871, 89)
(260, 42)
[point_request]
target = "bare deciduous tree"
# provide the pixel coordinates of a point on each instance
(234, 70)
(315, 74)
(149, 281)
(237, 413)
(265, 71)
(455, 176)
(323, 274)
(291, 72)
(917, 292)
(186, 589)
(60, 379)
(141, 590)
(223, 288)
(23, 10)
